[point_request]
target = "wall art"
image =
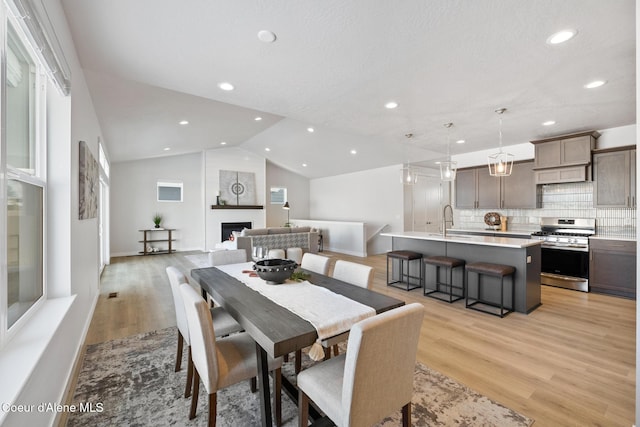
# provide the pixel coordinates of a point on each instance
(88, 183)
(238, 188)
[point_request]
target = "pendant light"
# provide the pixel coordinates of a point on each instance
(448, 167)
(409, 175)
(501, 163)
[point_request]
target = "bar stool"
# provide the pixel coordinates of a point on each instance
(450, 264)
(402, 257)
(494, 270)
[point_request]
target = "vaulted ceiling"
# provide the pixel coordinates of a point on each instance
(335, 63)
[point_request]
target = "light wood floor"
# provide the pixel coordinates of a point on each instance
(571, 362)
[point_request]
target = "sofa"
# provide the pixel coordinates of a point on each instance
(305, 238)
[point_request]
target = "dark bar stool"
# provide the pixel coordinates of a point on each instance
(494, 270)
(402, 257)
(448, 294)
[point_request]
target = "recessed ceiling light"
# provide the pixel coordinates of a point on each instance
(184, 122)
(594, 84)
(437, 163)
(267, 149)
(167, 148)
(304, 165)
(257, 119)
(310, 130)
(460, 141)
(391, 105)
(354, 152)
(549, 123)
(223, 143)
(561, 36)
(266, 36)
(225, 86)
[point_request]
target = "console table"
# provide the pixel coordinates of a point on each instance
(148, 237)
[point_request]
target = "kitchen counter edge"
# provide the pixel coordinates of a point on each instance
(505, 242)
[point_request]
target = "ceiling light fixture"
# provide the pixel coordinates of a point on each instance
(409, 176)
(549, 123)
(448, 167)
(561, 36)
(354, 152)
(223, 143)
(257, 119)
(391, 105)
(225, 86)
(310, 130)
(266, 36)
(184, 122)
(267, 149)
(594, 84)
(460, 141)
(501, 163)
(304, 165)
(167, 148)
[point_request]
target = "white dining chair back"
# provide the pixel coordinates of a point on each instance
(232, 256)
(316, 263)
(176, 278)
(354, 273)
(221, 362)
(375, 376)
(203, 338)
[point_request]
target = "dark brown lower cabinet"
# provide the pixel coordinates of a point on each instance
(612, 267)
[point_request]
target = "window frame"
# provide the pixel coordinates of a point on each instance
(36, 176)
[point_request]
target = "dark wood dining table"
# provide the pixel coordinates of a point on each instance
(276, 330)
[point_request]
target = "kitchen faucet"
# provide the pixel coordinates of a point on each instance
(444, 219)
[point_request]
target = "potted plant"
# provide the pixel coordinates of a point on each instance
(157, 219)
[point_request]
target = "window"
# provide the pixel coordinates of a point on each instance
(169, 192)
(23, 89)
(278, 195)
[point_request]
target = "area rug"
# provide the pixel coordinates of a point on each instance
(131, 381)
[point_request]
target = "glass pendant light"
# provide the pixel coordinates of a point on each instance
(448, 167)
(409, 176)
(500, 163)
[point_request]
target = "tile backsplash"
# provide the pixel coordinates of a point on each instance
(571, 200)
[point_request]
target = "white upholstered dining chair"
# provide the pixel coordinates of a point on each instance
(316, 263)
(225, 324)
(221, 362)
(354, 273)
(375, 376)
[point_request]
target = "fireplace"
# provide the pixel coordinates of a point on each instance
(229, 227)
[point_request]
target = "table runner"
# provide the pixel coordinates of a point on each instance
(330, 313)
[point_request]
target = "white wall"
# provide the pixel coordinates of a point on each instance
(297, 193)
(374, 197)
(134, 202)
(72, 250)
(233, 159)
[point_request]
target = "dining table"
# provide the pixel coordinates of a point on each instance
(276, 330)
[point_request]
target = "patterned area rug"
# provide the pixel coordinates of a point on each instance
(134, 381)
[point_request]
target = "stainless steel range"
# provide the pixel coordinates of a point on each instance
(565, 251)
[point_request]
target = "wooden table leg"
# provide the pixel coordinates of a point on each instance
(263, 387)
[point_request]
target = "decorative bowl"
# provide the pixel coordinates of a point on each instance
(275, 271)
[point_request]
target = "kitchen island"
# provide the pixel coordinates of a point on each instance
(523, 254)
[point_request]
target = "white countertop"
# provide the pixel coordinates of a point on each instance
(486, 230)
(612, 237)
(504, 242)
